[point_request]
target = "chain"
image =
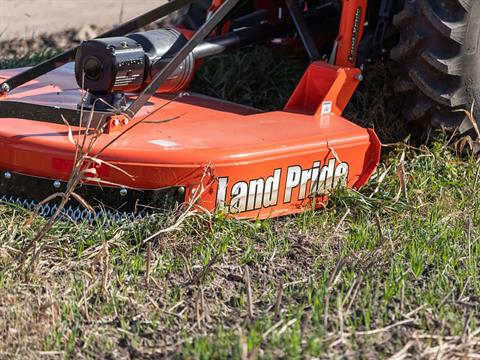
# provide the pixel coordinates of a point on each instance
(75, 213)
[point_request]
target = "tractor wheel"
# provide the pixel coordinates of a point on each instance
(439, 62)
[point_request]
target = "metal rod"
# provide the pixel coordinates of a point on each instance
(246, 36)
(318, 22)
(302, 29)
(179, 57)
(147, 18)
(69, 55)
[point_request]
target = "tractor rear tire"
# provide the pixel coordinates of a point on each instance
(439, 63)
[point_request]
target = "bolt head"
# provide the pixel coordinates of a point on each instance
(123, 192)
(181, 190)
(7, 175)
(57, 184)
(359, 77)
(5, 88)
(116, 122)
(126, 121)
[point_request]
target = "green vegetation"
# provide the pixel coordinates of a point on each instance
(391, 270)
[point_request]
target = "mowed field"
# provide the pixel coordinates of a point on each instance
(387, 272)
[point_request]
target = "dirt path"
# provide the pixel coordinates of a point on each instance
(27, 19)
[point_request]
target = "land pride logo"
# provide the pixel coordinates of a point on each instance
(261, 193)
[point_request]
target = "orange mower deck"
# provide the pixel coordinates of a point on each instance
(225, 156)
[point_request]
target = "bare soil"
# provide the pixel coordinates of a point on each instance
(20, 19)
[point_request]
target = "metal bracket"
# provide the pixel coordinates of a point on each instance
(384, 15)
(302, 29)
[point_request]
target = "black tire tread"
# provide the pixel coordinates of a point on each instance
(451, 65)
(453, 30)
(431, 65)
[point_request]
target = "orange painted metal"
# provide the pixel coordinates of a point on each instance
(116, 123)
(215, 5)
(350, 31)
(321, 85)
(246, 162)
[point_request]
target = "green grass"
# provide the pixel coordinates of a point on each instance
(391, 269)
(28, 59)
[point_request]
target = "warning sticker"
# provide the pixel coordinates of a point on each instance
(327, 107)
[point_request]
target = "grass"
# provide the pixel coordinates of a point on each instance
(390, 271)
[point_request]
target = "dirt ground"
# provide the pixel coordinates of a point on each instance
(28, 19)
